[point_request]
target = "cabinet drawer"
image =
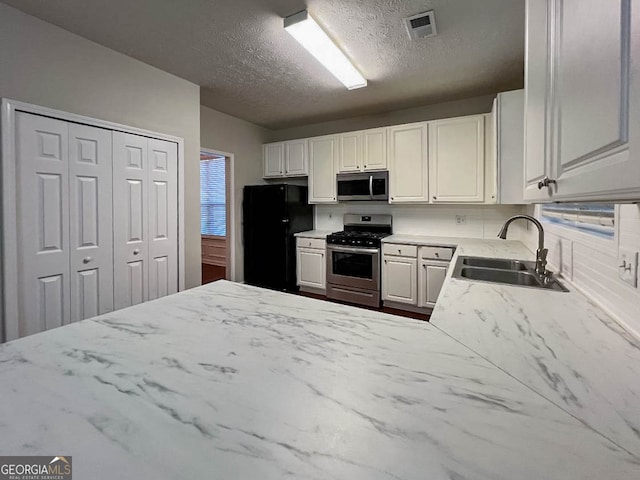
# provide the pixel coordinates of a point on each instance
(436, 253)
(311, 242)
(400, 250)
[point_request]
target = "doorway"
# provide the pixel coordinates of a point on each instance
(215, 217)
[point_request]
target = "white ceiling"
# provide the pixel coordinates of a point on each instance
(248, 66)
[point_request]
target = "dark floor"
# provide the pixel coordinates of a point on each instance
(211, 273)
(392, 311)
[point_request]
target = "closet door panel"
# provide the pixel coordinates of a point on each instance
(42, 151)
(90, 211)
(130, 222)
(163, 218)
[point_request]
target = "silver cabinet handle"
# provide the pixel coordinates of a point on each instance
(86, 259)
(545, 182)
(136, 251)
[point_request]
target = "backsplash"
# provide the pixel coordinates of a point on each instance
(480, 221)
(592, 264)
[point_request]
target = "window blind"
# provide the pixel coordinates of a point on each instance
(594, 218)
(213, 210)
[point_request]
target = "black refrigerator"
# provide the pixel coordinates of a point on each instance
(271, 214)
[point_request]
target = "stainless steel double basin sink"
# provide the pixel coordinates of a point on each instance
(506, 272)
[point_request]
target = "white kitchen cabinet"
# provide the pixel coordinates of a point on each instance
(507, 151)
(363, 151)
(285, 159)
(296, 158)
(399, 275)
(408, 165)
(311, 264)
(434, 264)
(374, 149)
(456, 160)
(431, 278)
(582, 128)
(273, 158)
(490, 160)
(350, 152)
(324, 159)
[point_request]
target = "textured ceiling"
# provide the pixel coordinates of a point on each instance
(248, 66)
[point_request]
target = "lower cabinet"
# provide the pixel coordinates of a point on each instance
(430, 280)
(399, 280)
(311, 264)
(414, 275)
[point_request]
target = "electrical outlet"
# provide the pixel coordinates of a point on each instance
(461, 219)
(628, 266)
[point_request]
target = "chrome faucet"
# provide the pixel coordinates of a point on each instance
(541, 253)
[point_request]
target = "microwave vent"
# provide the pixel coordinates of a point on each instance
(421, 25)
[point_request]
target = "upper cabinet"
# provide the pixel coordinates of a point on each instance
(457, 160)
(324, 158)
(286, 159)
(350, 152)
(374, 149)
(507, 122)
(408, 163)
(582, 127)
(363, 151)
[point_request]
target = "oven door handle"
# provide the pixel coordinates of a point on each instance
(371, 186)
(353, 250)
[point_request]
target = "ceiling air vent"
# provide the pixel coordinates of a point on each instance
(421, 25)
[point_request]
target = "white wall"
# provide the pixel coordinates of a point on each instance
(470, 106)
(591, 263)
(244, 140)
(48, 66)
(482, 221)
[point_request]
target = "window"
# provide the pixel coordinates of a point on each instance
(594, 218)
(213, 209)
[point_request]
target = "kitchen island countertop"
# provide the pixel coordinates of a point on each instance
(231, 381)
(560, 344)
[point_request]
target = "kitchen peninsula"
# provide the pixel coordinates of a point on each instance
(231, 381)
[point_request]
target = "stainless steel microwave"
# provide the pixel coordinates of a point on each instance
(363, 186)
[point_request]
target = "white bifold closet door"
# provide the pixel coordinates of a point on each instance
(145, 228)
(64, 211)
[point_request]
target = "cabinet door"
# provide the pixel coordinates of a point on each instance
(432, 276)
(591, 103)
(162, 174)
(296, 158)
(399, 280)
(456, 160)
(490, 158)
(90, 212)
(375, 149)
(350, 152)
(42, 169)
(536, 146)
(408, 165)
(509, 137)
(323, 161)
(273, 158)
(130, 219)
(311, 266)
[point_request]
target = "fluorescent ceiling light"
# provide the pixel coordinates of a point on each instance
(310, 35)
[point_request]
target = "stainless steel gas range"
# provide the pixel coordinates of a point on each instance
(353, 259)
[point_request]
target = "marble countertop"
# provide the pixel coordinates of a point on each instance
(313, 234)
(236, 382)
(560, 345)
